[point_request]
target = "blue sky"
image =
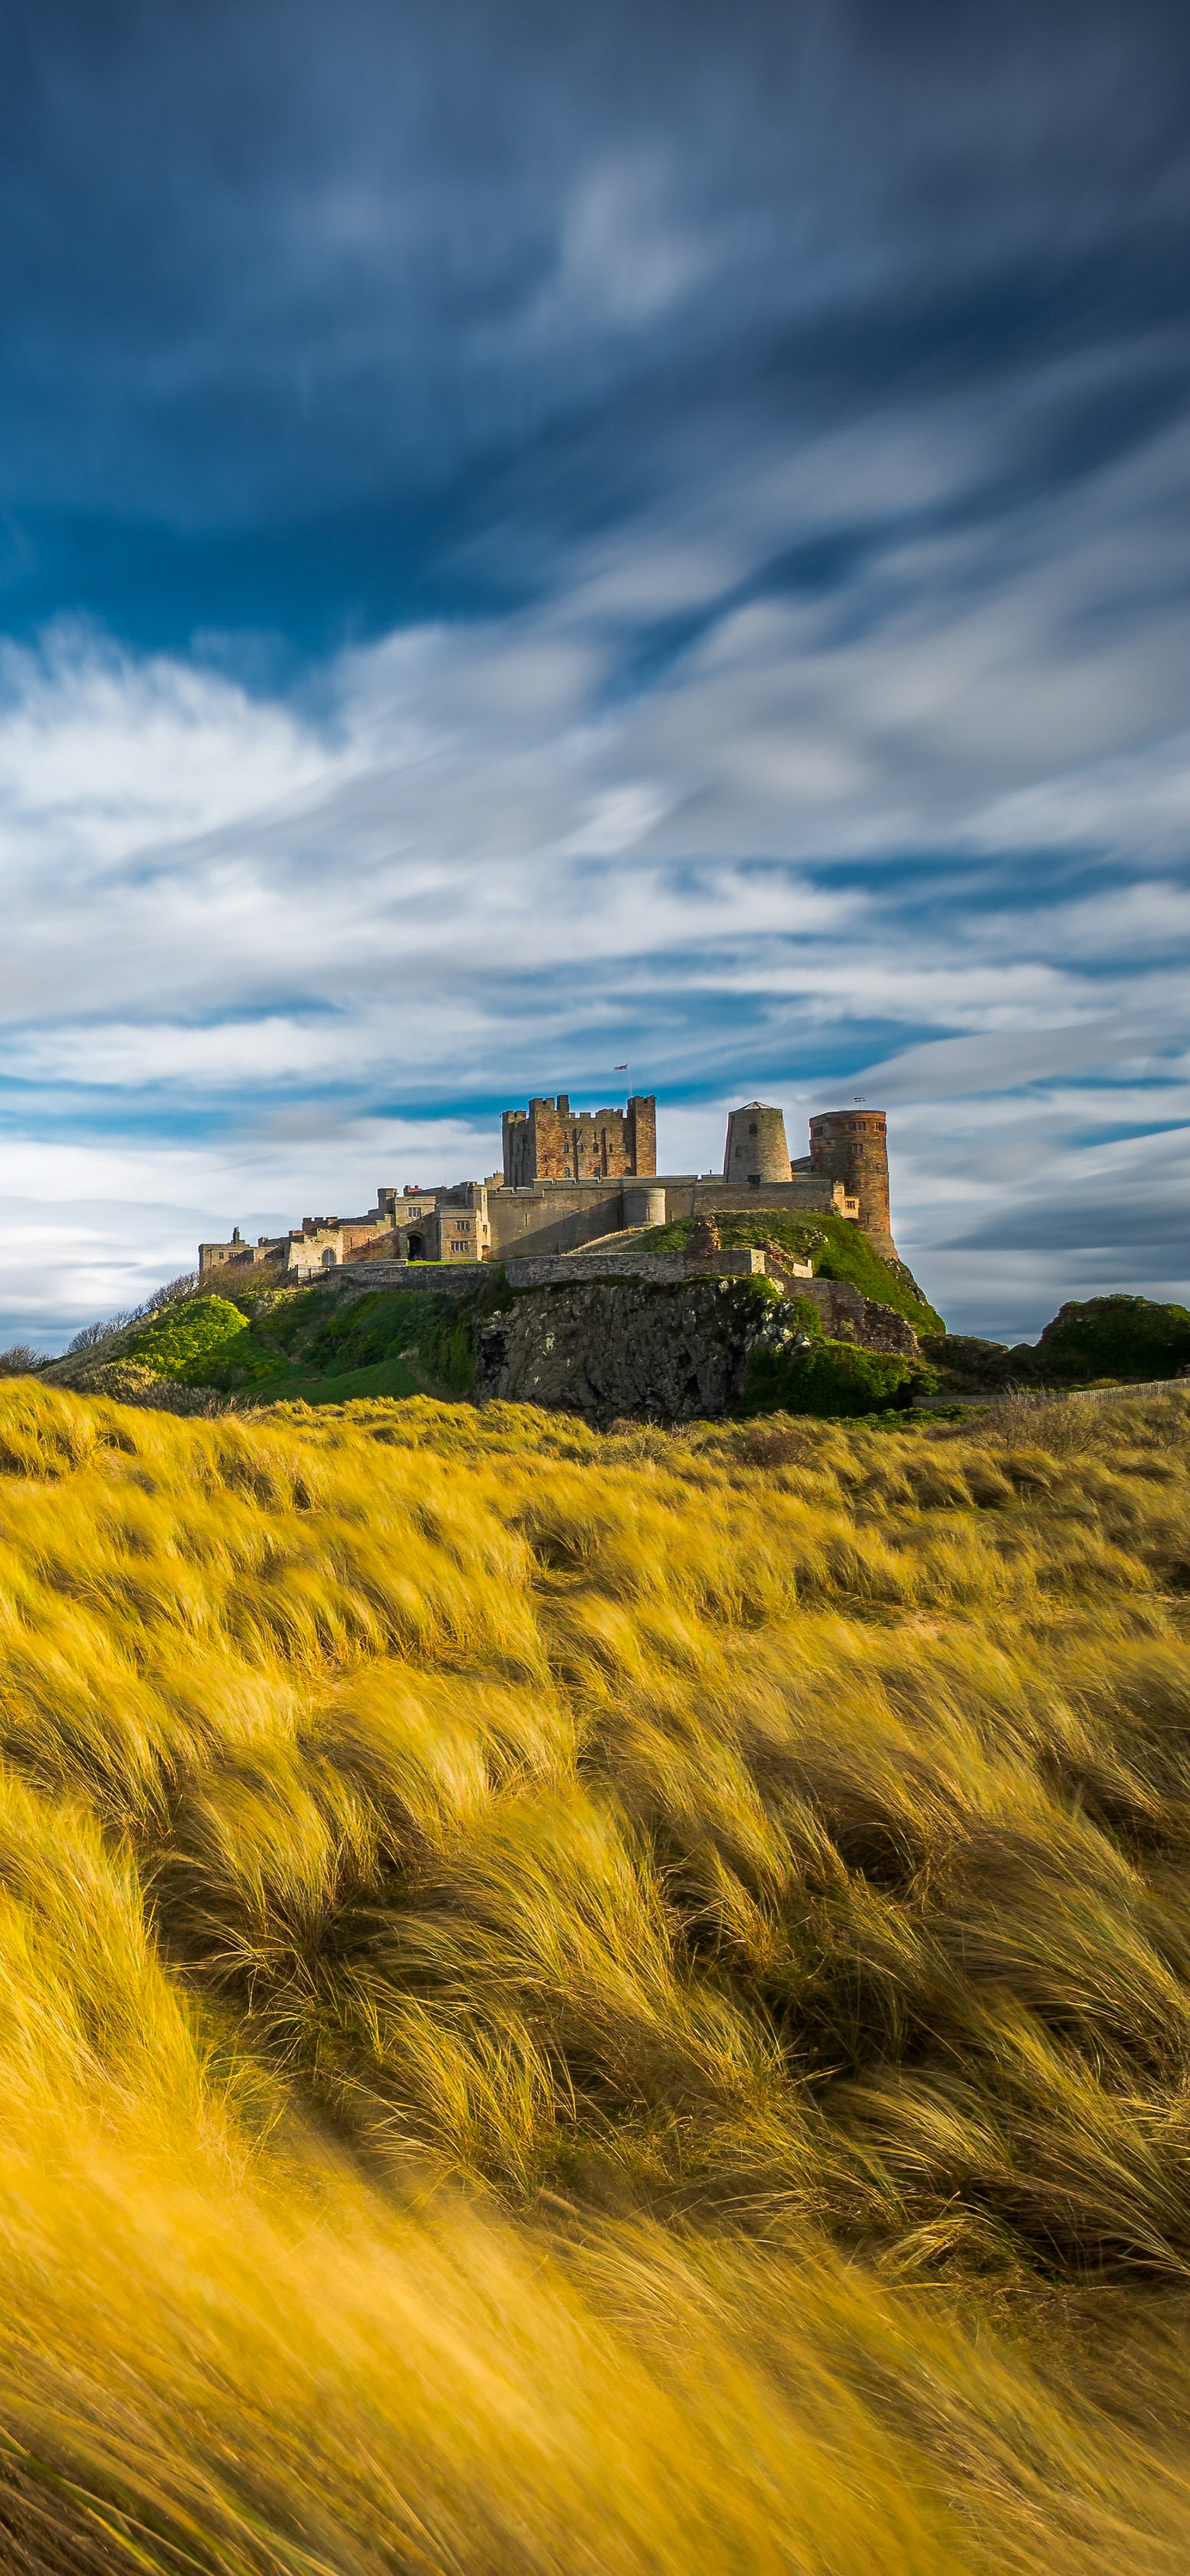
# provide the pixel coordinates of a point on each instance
(533, 538)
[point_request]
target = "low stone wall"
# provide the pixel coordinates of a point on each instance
(1147, 1386)
(450, 1278)
(1099, 1394)
(543, 1270)
(562, 1269)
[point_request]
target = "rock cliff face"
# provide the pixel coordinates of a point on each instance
(849, 1316)
(669, 1351)
(610, 1347)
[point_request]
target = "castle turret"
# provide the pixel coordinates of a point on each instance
(851, 1145)
(756, 1149)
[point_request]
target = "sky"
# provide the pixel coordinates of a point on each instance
(534, 539)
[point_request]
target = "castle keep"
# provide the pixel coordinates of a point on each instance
(550, 1141)
(574, 1179)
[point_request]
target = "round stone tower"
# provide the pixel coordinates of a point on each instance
(756, 1147)
(851, 1145)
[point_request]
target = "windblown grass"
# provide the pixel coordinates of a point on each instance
(576, 2003)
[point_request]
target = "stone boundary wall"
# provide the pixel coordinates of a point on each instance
(553, 1217)
(448, 1277)
(1041, 1395)
(567, 1269)
(545, 1270)
(1108, 1394)
(805, 1194)
(556, 1216)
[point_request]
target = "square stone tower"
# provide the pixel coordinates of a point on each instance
(550, 1141)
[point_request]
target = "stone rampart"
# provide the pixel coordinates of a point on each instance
(551, 1270)
(806, 1194)
(553, 1218)
(560, 1216)
(446, 1279)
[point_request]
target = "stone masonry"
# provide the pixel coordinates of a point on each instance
(550, 1141)
(851, 1146)
(756, 1150)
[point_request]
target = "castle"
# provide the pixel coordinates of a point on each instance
(572, 1179)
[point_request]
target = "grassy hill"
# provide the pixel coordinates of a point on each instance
(313, 1345)
(836, 1247)
(264, 1344)
(580, 2003)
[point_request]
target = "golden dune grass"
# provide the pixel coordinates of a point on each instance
(576, 2003)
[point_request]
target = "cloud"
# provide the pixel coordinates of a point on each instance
(531, 540)
(1018, 1052)
(295, 263)
(450, 880)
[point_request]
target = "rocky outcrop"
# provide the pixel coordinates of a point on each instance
(606, 1347)
(965, 1365)
(848, 1316)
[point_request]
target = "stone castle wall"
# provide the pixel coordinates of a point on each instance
(553, 1219)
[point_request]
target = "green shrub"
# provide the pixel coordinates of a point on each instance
(1115, 1337)
(806, 1316)
(965, 1360)
(827, 1378)
(357, 1333)
(183, 1340)
(449, 1353)
(290, 1342)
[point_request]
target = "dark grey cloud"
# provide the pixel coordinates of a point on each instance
(270, 263)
